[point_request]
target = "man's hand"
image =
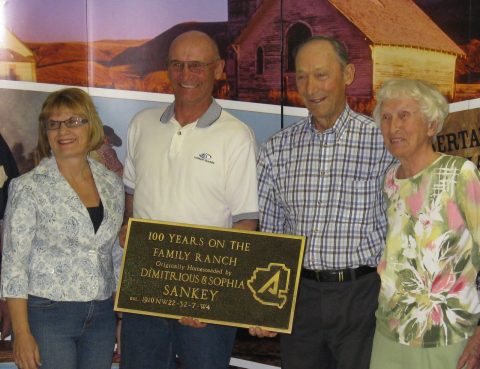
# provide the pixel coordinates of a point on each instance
(191, 322)
(470, 358)
(260, 332)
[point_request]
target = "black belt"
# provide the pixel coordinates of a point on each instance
(341, 275)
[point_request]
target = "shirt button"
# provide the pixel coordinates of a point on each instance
(179, 133)
(322, 173)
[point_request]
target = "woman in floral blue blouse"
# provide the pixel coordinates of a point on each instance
(60, 225)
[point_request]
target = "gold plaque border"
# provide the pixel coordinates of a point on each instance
(232, 230)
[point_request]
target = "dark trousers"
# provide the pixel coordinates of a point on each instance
(151, 343)
(334, 325)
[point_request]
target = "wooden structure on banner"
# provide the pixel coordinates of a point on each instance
(17, 61)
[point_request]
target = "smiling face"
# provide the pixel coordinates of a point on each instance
(322, 82)
(406, 132)
(68, 143)
(193, 89)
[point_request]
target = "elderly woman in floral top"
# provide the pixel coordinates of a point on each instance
(428, 303)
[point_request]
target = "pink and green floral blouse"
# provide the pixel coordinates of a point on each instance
(428, 296)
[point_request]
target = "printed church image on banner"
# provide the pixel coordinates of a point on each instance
(385, 39)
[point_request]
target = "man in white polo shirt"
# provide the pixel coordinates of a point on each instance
(191, 163)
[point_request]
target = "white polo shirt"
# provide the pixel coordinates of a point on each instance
(203, 173)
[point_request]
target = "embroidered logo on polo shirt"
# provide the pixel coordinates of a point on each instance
(205, 156)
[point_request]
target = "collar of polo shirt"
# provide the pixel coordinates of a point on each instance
(210, 116)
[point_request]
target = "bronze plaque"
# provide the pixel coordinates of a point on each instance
(217, 275)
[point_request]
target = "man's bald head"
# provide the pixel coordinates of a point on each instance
(196, 38)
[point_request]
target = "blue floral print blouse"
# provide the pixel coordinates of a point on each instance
(50, 248)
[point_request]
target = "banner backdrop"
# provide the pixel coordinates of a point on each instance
(123, 45)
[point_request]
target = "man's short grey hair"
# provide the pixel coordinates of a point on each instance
(338, 46)
(433, 104)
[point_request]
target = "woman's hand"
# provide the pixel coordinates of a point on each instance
(25, 351)
(122, 235)
(470, 358)
(118, 335)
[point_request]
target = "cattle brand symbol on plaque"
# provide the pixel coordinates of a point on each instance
(270, 285)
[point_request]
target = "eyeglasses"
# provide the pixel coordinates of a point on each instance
(193, 66)
(72, 122)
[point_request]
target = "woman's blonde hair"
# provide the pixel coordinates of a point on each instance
(80, 104)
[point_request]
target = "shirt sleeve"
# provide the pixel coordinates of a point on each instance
(129, 167)
(19, 232)
(241, 180)
(272, 217)
(468, 194)
(380, 207)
